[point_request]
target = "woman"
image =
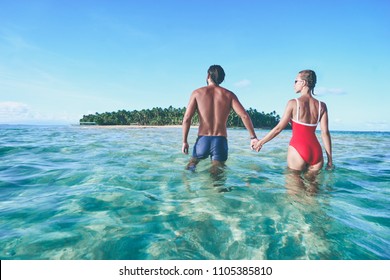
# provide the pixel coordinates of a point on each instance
(305, 113)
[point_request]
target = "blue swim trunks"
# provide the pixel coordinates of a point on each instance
(214, 146)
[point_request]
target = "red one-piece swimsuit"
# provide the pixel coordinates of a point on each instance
(304, 139)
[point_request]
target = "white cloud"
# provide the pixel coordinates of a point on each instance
(329, 91)
(19, 113)
(242, 83)
(14, 111)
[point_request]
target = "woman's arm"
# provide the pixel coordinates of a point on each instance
(278, 128)
(325, 135)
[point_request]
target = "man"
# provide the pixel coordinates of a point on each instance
(213, 104)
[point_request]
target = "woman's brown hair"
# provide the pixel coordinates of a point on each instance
(310, 77)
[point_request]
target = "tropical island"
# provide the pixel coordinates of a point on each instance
(173, 116)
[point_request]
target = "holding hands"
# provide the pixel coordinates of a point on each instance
(256, 145)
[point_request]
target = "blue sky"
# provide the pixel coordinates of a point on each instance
(62, 59)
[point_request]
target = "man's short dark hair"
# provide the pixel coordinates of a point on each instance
(216, 73)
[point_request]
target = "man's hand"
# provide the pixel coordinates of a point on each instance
(185, 148)
(253, 143)
(257, 146)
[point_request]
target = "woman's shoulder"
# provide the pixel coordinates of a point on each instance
(292, 101)
(317, 101)
(291, 104)
(323, 104)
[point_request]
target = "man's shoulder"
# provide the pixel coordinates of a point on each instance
(228, 92)
(206, 89)
(225, 89)
(200, 90)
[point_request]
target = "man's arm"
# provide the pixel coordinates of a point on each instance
(190, 111)
(241, 112)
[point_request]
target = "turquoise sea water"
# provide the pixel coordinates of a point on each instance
(69, 192)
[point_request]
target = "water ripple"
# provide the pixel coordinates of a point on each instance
(121, 193)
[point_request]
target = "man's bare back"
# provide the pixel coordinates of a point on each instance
(213, 104)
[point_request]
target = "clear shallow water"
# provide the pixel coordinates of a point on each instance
(119, 193)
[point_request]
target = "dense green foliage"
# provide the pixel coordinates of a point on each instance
(174, 116)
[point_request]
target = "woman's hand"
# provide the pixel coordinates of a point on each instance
(257, 146)
(329, 166)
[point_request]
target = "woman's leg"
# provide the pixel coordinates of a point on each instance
(316, 167)
(294, 160)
